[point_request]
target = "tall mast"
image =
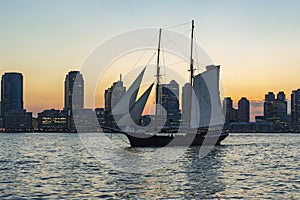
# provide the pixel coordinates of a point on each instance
(191, 77)
(191, 58)
(157, 97)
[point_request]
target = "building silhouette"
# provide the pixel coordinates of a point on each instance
(11, 92)
(243, 110)
(112, 96)
(275, 110)
(74, 96)
(52, 121)
(170, 102)
(15, 118)
(295, 110)
(231, 114)
(74, 91)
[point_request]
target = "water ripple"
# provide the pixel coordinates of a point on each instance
(57, 166)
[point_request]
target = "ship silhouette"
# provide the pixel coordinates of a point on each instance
(205, 113)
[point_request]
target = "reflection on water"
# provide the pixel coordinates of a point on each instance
(58, 166)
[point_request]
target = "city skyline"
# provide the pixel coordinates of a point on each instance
(256, 46)
(275, 117)
(256, 106)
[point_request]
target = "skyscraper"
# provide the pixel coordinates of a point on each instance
(295, 110)
(170, 101)
(231, 114)
(11, 92)
(15, 118)
(74, 96)
(275, 110)
(112, 96)
(74, 91)
(243, 110)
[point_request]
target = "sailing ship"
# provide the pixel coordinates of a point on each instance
(205, 117)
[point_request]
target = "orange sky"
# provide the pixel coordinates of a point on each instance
(256, 43)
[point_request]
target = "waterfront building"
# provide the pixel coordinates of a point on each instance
(112, 96)
(100, 113)
(74, 91)
(14, 117)
(231, 114)
(259, 118)
(74, 96)
(18, 121)
(251, 127)
(52, 121)
(275, 110)
(243, 110)
(11, 92)
(295, 110)
(170, 102)
(85, 120)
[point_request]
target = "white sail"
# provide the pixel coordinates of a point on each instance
(206, 88)
(133, 116)
(129, 97)
(193, 111)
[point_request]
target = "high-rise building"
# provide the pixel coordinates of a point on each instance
(74, 91)
(243, 110)
(170, 102)
(112, 96)
(275, 110)
(11, 92)
(15, 118)
(231, 114)
(74, 96)
(295, 110)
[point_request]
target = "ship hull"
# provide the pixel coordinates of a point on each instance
(143, 140)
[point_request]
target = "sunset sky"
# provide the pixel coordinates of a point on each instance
(255, 41)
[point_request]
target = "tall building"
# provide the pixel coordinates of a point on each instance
(112, 96)
(231, 114)
(275, 110)
(15, 118)
(170, 101)
(74, 91)
(243, 110)
(74, 96)
(295, 110)
(11, 92)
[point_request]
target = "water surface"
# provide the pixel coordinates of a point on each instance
(58, 166)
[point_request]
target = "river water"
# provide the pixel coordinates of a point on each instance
(58, 166)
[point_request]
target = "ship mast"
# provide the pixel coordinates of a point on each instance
(191, 58)
(191, 70)
(157, 97)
